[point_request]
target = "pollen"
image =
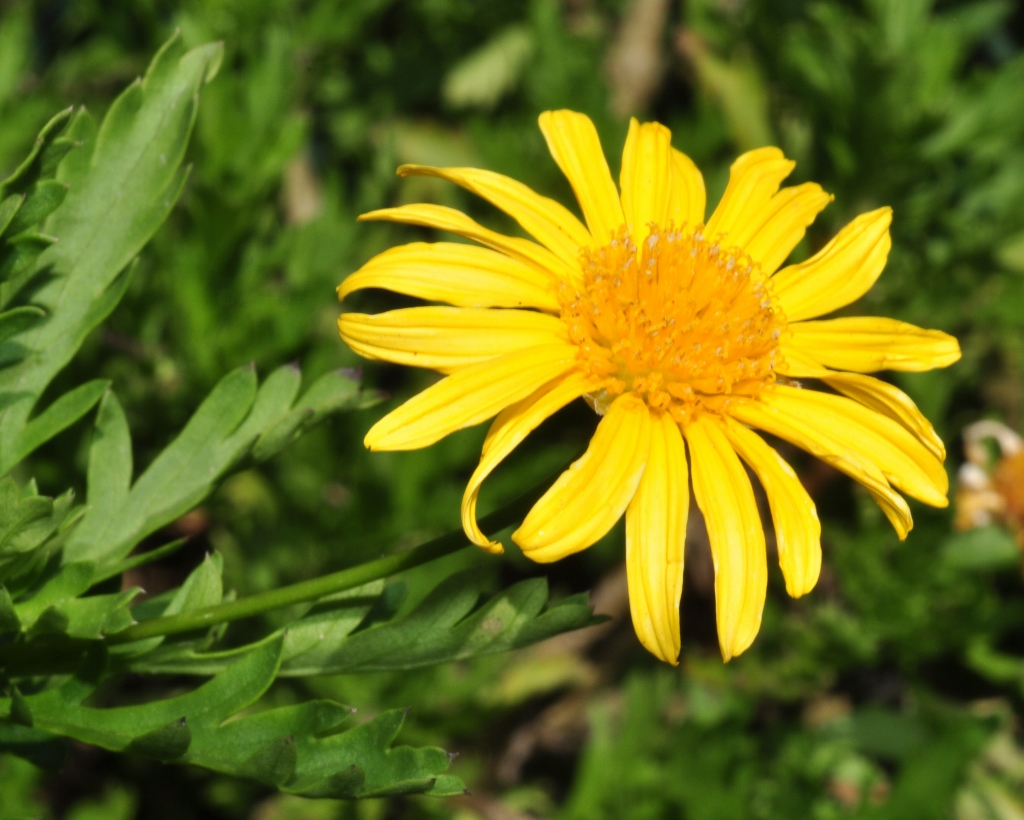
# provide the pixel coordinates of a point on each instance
(684, 323)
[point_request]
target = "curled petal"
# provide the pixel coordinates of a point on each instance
(809, 433)
(588, 498)
(507, 432)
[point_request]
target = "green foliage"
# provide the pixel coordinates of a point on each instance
(892, 691)
(60, 618)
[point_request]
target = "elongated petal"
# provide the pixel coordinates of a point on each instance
(779, 420)
(456, 222)
(865, 344)
(574, 145)
(797, 529)
(588, 498)
(799, 365)
(724, 495)
(838, 274)
(880, 396)
(461, 275)
(904, 461)
(550, 223)
(656, 540)
(786, 218)
(507, 432)
(753, 180)
(469, 396)
(646, 177)
(889, 400)
(447, 338)
(687, 198)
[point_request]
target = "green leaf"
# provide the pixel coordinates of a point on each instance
(444, 627)
(20, 711)
(60, 415)
(8, 616)
(49, 148)
(228, 426)
(296, 747)
(8, 208)
(164, 743)
(331, 393)
(40, 200)
(13, 322)
(124, 181)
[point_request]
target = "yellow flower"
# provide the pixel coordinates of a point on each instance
(672, 329)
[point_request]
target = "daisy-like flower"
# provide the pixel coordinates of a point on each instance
(683, 335)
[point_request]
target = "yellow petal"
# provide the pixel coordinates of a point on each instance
(785, 221)
(724, 495)
(655, 541)
(687, 198)
(753, 180)
(456, 222)
(447, 338)
(550, 223)
(838, 274)
(507, 432)
(806, 432)
(588, 498)
(797, 529)
(646, 177)
(575, 147)
(469, 396)
(865, 344)
(889, 400)
(797, 364)
(904, 461)
(461, 275)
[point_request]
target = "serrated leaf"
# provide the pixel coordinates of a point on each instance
(444, 627)
(9, 206)
(225, 428)
(17, 258)
(41, 200)
(45, 750)
(295, 746)
(13, 322)
(8, 616)
(272, 764)
(167, 742)
(123, 184)
(49, 148)
(110, 459)
(21, 713)
(60, 415)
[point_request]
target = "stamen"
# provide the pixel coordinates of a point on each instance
(682, 323)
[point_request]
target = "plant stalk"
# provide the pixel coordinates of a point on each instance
(317, 588)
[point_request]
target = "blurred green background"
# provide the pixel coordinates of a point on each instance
(892, 691)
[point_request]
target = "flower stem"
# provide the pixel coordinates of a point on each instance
(328, 584)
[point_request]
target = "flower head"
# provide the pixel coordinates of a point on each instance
(684, 336)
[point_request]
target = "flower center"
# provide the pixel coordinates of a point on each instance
(685, 324)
